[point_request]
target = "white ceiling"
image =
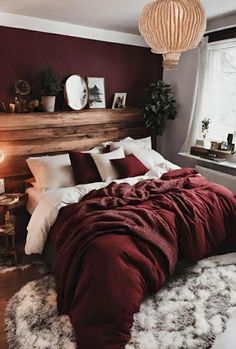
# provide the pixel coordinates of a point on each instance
(121, 15)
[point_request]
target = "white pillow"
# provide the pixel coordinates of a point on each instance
(144, 143)
(149, 157)
(170, 166)
(105, 168)
(51, 172)
(95, 150)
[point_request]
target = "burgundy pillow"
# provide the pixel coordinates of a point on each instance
(181, 172)
(130, 166)
(84, 167)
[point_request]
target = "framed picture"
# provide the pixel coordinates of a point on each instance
(96, 92)
(119, 100)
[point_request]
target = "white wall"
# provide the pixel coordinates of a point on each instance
(182, 82)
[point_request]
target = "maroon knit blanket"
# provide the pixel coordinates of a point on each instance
(122, 242)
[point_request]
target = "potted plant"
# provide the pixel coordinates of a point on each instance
(160, 106)
(205, 127)
(48, 84)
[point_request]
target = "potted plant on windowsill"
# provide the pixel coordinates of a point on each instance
(205, 127)
(48, 84)
(160, 106)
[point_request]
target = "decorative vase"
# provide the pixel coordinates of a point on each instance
(48, 103)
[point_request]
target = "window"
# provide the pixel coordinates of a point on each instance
(219, 91)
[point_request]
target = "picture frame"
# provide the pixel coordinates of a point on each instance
(96, 88)
(119, 100)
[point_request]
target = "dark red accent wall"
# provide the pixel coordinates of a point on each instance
(125, 68)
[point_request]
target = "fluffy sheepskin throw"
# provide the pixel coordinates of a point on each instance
(189, 312)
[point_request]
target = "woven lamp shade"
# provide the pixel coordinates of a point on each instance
(170, 27)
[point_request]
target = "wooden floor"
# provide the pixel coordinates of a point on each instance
(10, 283)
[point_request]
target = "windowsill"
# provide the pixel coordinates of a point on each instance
(226, 164)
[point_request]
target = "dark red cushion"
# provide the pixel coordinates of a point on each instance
(130, 166)
(181, 172)
(84, 167)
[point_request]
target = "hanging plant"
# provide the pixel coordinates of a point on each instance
(160, 106)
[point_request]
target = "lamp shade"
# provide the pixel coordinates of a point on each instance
(1, 156)
(170, 27)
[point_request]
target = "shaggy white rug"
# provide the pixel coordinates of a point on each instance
(21, 267)
(188, 313)
(6, 269)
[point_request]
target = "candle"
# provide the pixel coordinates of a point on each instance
(2, 188)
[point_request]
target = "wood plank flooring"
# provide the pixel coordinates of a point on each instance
(10, 283)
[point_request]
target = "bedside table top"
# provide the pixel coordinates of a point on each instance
(13, 199)
(7, 229)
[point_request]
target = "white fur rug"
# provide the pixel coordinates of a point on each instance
(188, 313)
(21, 267)
(9, 269)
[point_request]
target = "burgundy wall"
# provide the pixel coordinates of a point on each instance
(125, 68)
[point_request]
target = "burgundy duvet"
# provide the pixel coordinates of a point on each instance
(122, 242)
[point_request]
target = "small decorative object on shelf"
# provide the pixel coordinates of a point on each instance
(205, 127)
(33, 105)
(22, 89)
(96, 92)
(223, 146)
(119, 100)
(48, 84)
(230, 142)
(76, 92)
(20, 104)
(215, 145)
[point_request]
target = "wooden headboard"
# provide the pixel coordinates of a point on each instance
(24, 135)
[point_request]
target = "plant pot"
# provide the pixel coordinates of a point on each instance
(48, 103)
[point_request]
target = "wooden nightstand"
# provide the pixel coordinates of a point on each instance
(7, 231)
(10, 202)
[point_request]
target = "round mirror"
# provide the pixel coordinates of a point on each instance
(76, 92)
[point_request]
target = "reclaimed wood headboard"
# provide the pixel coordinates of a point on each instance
(24, 135)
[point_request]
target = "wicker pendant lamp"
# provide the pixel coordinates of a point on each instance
(170, 27)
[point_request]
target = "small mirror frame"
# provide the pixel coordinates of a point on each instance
(66, 93)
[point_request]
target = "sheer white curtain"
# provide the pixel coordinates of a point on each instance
(220, 90)
(215, 92)
(196, 117)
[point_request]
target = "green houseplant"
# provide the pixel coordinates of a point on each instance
(160, 106)
(48, 85)
(205, 127)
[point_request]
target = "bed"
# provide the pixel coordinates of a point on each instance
(34, 196)
(116, 241)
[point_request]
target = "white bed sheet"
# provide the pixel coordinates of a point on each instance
(34, 197)
(51, 201)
